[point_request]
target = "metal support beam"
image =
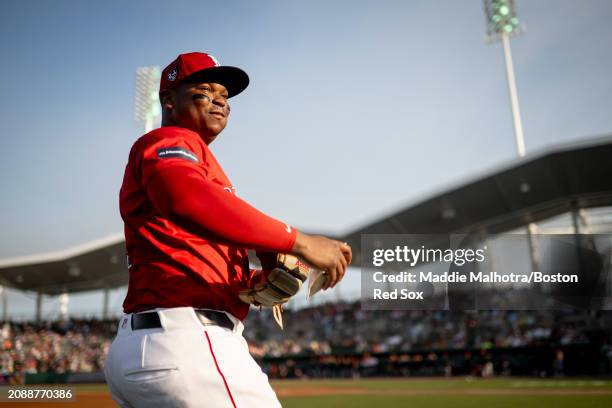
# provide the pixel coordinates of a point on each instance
(105, 304)
(4, 303)
(534, 252)
(576, 221)
(39, 298)
(64, 300)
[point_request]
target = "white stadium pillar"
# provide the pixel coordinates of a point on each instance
(64, 299)
(105, 304)
(4, 303)
(39, 296)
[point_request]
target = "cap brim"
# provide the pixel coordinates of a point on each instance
(232, 78)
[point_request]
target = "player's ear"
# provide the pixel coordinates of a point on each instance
(167, 99)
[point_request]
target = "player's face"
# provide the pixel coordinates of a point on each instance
(201, 107)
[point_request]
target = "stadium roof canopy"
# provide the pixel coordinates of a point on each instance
(95, 265)
(530, 189)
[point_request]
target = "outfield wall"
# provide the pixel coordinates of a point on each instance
(540, 361)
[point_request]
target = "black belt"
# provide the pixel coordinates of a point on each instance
(150, 320)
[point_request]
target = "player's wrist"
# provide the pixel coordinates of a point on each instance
(301, 244)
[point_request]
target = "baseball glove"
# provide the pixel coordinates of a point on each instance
(280, 278)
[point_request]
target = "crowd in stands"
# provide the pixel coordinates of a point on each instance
(343, 340)
(72, 346)
(341, 331)
(345, 327)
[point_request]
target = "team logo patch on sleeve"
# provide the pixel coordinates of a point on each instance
(177, 152)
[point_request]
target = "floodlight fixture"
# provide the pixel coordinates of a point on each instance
(146, 102)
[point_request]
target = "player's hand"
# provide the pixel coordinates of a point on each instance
(325, 254)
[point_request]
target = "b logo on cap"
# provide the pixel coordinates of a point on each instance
(216, 61)
(172, 75)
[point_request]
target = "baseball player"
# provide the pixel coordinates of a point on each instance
(179, 343)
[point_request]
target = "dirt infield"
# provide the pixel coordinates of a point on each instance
(85, 399)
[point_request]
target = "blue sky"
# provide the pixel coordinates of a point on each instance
(355, 107)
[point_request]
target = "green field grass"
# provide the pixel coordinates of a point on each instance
(433, 401)
(456, 392)
(452, 383)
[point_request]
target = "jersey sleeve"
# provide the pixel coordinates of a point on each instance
(182, 194)
(171, 150)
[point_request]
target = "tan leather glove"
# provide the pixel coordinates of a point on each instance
(276, 282)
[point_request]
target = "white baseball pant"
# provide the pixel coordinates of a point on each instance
(185, 364)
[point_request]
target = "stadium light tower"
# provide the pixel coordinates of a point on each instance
(146, 102)
(502, 24)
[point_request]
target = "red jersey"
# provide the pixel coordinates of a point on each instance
(186, 231)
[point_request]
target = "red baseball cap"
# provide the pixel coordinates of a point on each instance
(203, 67)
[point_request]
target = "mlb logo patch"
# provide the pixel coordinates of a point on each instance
(172, 75)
